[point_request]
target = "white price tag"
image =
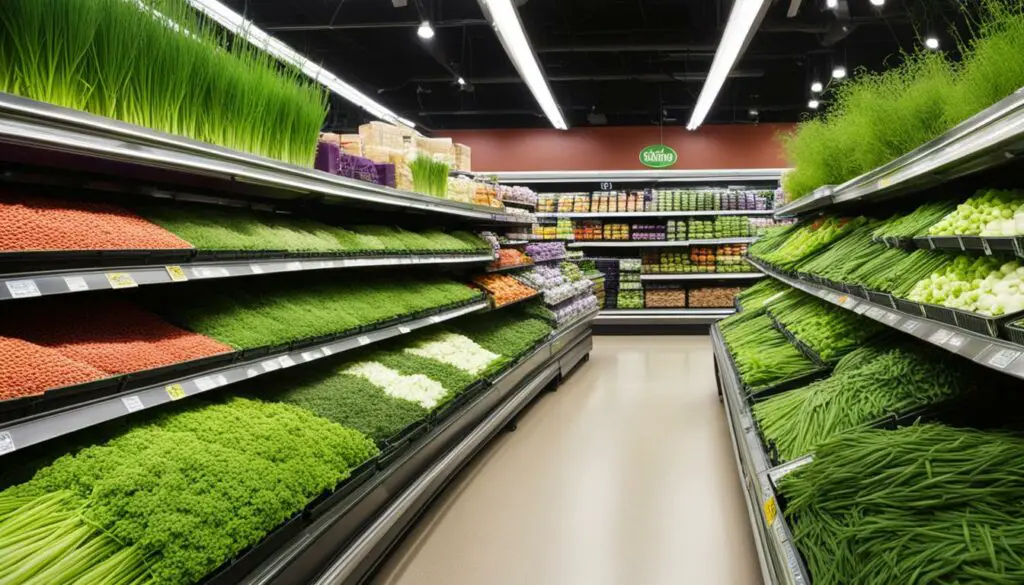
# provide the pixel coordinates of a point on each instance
(956, 341)
(252, 373)
(1003, 358)
(293, 266)
(76, 283)
(6, 443)
(132, 403)
(875, 313)
(21, 289)
(940, 336)
(210, 272)
(271, 365)
(910, 325)
(205, 383)
(891, 318)
(312, 355)
(861, 308)
(256, 268)
(403, 329)
(327, 350)
(363, 340)
(286, 361)
(435, 319)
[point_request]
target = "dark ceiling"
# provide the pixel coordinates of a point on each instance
(614, 62)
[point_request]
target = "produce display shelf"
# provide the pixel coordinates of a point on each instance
(641, 176)
(517, 301)
(515, 243)
(643, 214)
(520, 204)
(997, 354)
(344, 542)
(820, 198)
(659, 243)
(35, 129)
(57, 282)
(661, 316)
(703, 276)
(559, 259)
(778, 557)
(511, 268)
(24, 432)
(987, 139)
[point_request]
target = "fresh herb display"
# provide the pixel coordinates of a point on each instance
(429, 176)
(787, 248)
(829, 331)
(169, 501)
(917, 222)
(509, 335)
(877, 381)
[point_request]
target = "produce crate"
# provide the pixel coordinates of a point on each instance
(805, 349)
(923, 242)
(898, 242)
(941, 314)
(946, 242)
(881, 298)
(1014, 333)
(858, 291)
(981, 324)
(972, 243)
(759, 393)
(1003, 244)
(909, 307)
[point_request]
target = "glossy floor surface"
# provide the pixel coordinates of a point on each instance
(624, 476)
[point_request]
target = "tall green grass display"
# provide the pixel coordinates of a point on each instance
(159, 64)
(876, 117)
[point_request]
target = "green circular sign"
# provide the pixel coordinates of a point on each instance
(658, 156)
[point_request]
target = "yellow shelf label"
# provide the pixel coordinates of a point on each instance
(175, 392)
(771, 510)
(121, 280)
(177, 273)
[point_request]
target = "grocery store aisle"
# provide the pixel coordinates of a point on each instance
(625, 476)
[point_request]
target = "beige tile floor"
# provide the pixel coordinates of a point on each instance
(625, 476)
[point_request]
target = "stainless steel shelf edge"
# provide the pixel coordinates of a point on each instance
(820, 198)
(26, 432)
(703, 276)
(653, 214)
(56, 282)
(35, 124)
(660, 243)
(781, 564)
(996, 354)
(680, 175)
(660, 316)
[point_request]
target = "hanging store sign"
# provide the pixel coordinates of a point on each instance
(658, 156)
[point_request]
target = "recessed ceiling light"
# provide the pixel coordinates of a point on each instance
(932, 43)
(831, 4)
(839, 72)
(425, 30)
(813, 104)
(816, 87)
(753, 112)
(462, 81)
(877, 2)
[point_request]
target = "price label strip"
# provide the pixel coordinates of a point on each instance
(892, 318)
(771, 510)
(133, 403)
(177, 273)
(76, 283)
(1003, 358)
(121, 280)
(175, 392)
(6, 443)
(21, 289)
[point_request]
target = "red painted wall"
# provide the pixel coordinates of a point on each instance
(746, 146)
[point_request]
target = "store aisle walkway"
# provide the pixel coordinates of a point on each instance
(625, 476)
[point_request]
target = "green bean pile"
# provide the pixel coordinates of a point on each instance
(763, 356)
(755, 296)
(877, 381)
(924, 504)
(897, 271)
(840, 259)
(807, 239)
(916, 222)
(830, 331)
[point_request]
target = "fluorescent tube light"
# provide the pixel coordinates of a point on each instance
(509, 28)
(245, 28)
(744, 19)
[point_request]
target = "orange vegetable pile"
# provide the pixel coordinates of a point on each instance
(504, 289)
(511, 257)
(27, 369)
(30, 223)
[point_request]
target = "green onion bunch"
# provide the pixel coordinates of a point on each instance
(917, 222)
(763, 356)
(429, 176)
(830, 331)
(162, 65)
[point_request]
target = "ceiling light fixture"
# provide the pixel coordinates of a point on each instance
(425, 31)
(245, 28)
(878, 2)
(813, 104)
(839, 72)
(509, 28)
(832, 4)
(816, 87)
(744, 19)
(753, 112)
(932, 43)
(462, 81)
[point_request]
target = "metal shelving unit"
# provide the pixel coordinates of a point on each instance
(986, 140)
(702, 276)
(57, 282)
(36, 127)
(997, 354)
(658, 243)
(661, 316)
(21, 433)
(780, 561)
(511, 268)
(655, 214)
(641, 176)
